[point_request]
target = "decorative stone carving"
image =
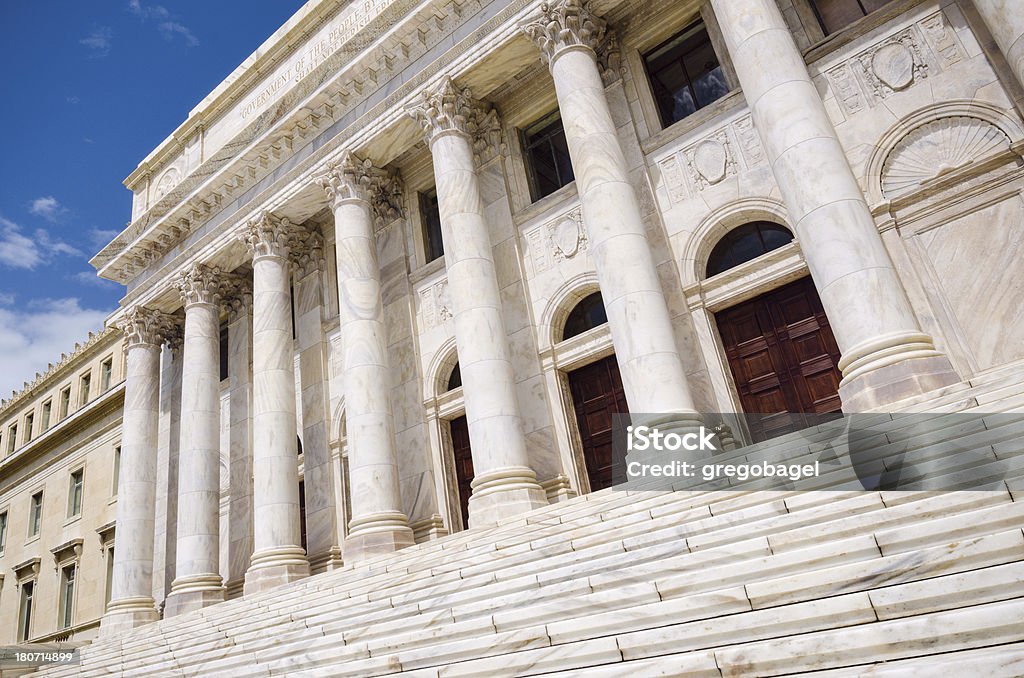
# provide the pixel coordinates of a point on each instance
(556, 240)
(564, 24)
(894, 65)
(141, 325)
(269, 236)
(450, 109)
(435, 304)
(201, 284)
(307, 252)
(937, 148)
(710, 158)
(167, 181)
(355, 179)
(237, 295)
(725, 152)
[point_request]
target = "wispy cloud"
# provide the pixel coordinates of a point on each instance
(47, 207)
(101, 237)
(169, 26)
(147, 11)
(36, 334)
(91, 279)
(171, 29)
(18, 250)
(72, 99)
(99, 41)
(7, 298)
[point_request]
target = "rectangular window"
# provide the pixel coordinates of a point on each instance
(106, 374)
(44, 422)
(685, 74)
(834, 15)
(430, 214)
(75, 493)
(110, 576)
(35, 514)
(25, 611)
(83, 389)
(3, 531)
(117, 469)
(30, 420)
(12, 438)
(224, 352)
(67, 596)
(547, 156)
(65, 403)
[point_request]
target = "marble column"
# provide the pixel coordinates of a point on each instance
(504, 483)
(131, 598)
(1005, 20)
(197, 581)
(378, 523)
(278, 557)
(240, 525)
(885, 355)
(653, 378)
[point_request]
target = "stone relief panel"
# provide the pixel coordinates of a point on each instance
(895, 63)
(938, 148)
(556, 240)
(726, 151)
(433, 304)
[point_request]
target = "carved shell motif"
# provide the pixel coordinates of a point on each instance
(936, 148)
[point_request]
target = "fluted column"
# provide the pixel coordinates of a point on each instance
(1005, 20)
(504, 483)
(278, 557)
(378, 523)
(131, 598)
(653, 378)
(885, 355)
(197, 582)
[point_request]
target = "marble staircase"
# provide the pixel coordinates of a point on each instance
(717, 583)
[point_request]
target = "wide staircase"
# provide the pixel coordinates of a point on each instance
(733, 582)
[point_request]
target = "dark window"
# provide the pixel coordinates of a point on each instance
(586, 315)
(685, 74)
(25, 610)
(223, 352)
(430, 213)
(834, 15)
(455, 378)
(67, 596)
(745, 243)
(547, 156)
(291, 295)
(302, 516)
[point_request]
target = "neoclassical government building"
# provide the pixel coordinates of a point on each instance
(389, 281)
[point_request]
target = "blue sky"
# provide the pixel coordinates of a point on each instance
(89, 89)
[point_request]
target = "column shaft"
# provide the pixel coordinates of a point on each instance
(1005, 19)
(886, 356)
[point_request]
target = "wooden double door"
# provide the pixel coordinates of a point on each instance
(783, 357)
(597, 394)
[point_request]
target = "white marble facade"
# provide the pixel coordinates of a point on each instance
(292, 196)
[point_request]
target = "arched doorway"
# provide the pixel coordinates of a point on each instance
(462, 453)
(779, 345)
(597, 394)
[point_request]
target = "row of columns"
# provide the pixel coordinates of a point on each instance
(886, 356)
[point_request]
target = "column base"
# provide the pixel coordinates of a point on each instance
(126, 614)
(193, 593)
(504, 493)
(898, 381)
(271, 568)
(376, 534)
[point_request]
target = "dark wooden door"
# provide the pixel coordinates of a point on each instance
(596, 395)
(783, 357)
(463, 464)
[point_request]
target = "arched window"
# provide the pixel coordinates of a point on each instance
(746, 242)
(454, 379)
(586, 315)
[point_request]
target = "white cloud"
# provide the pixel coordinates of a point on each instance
(35, 335)
(7, 298)
(47, 207)
(72, 99)
(171, 29)
(101, 237)
(90, 278)
(99, 40)
(20, 251)
(147, 11)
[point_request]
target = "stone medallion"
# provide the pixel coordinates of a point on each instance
(565, 236)
(710, 159)
(893, 64)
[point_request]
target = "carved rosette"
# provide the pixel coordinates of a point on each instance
(565, 24)
(450, 109)
(201, 284)
(145, 327)
(355, 179)
(269, 236)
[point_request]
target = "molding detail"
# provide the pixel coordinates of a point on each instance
(142, 326)
(450, 109)
(566, 24)
(201, 284)
(435, 304)
(556, 240)
(269, 236)
(937, 148)
(355, 179)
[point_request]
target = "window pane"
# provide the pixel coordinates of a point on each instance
(224, 352)
(430, 213)
(744, 243)
(685, 74)
(834, 15)
(586, 315)
(3, 530)
(547, 154)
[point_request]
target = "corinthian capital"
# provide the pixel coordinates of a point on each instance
(355, 179)
(142, 326)
(450, 109)
(564, 24)
(201, 284)
(269, 236)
